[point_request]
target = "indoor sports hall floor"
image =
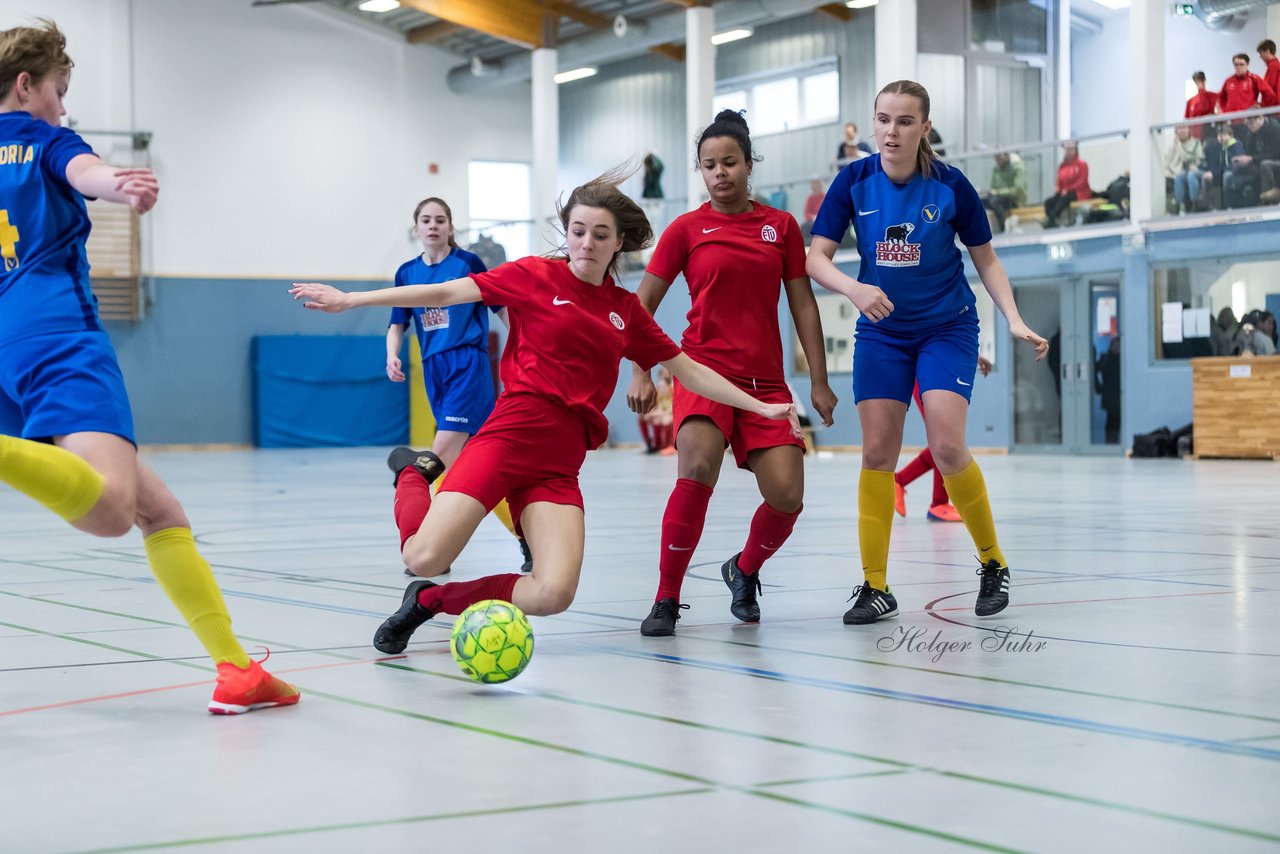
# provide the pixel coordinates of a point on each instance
(1133, 704)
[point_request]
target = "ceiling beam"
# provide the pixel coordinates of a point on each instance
(839, 11)
(670, 50)
(574, 13)
(518, 23)
(433, 32)
(688, 4)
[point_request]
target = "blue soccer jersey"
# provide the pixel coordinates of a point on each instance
(907, 238)
(443, 329)
(44, 287)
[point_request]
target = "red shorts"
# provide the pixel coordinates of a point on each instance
(530, 449)
(744, 431)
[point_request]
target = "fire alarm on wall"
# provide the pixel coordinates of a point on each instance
(433, 168)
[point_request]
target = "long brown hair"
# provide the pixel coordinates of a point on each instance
(448, 212)
(35, 50)
(602, 192)
(925, 158)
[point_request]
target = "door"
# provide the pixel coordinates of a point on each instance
(1070, 401)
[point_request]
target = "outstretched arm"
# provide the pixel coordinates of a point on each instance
(136, 188)
(329, 299)
(996, 281)
(700, 379)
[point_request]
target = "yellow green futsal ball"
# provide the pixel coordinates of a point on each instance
(492, 641)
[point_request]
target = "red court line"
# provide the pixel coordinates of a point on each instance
(927, 608)
(137, 693)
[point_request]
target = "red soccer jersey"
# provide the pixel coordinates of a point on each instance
(735, 267)
(1272, 78)
(1200, 104)
(567, 336)
(1241, 93)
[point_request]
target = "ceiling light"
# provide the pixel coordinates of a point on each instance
(730, 36)
(861, 4)
(379, 5)
(575, 74)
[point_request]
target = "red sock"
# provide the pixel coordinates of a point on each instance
(663, 437)
(457, 596)
(646, 433)
(939, 490)
(769, 530)
(413, 500)
(681, 529)
(912, 470)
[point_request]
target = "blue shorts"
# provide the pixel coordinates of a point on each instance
(459, 388)
(54, 385)
(888, 364)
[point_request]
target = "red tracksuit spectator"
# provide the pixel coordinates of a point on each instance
(1271, 74)
(1202, 103)
(1244, 89)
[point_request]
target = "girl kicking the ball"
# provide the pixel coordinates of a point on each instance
(571, 324)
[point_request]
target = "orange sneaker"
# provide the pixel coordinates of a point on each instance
(944, 513)
(900, 499)
(241, 690)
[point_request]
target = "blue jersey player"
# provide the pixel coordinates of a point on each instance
(917, 324)
(455, 349)
(66, 430)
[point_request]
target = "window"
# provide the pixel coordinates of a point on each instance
(498, 197)
(1188, 299)
(780, 101)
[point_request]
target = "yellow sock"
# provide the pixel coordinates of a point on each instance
(502, 511)
(968, 491)
(188, 581)
(875, 522)
(58, 479)
(503, 514)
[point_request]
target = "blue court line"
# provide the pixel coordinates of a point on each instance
(961, 705)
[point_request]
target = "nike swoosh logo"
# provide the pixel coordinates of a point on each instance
(988, 548)
(709, 230)
(962, 382)
(771, 548)
(558, 301)
(864, 213)
(678, 549)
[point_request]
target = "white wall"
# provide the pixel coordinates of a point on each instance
(287, 142)
(1099, 66)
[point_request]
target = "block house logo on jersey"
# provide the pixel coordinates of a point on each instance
(895, 251)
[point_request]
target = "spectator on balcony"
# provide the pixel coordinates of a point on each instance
(1202, 103)
(852, 147)
(1073, 185)
(1244, 89)
(1271, 68)
(1263, 150)
(1219, 154)
(812, 204)
(1183, 165)
(1008, 187)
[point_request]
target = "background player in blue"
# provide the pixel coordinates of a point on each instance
(61, 389)
(455, 350)
(917, 323)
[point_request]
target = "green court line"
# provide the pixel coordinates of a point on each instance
(833, 777)
(697, 725)
(390, 822)
(994, 679)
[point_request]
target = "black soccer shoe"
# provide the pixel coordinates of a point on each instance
(527, 566)
(744, 588)
(993, 589)
(394, 633)
(871, 605)
(661, 622)
(428, 464)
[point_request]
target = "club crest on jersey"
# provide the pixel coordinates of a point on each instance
(768, 234)
(930, 213)
(894, 250)
(616, 320)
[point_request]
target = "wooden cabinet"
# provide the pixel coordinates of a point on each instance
(1236, 404)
